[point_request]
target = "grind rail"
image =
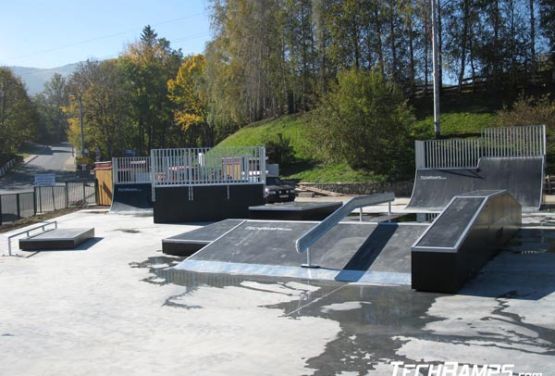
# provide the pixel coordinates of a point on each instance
(28, 233)
(304, 243)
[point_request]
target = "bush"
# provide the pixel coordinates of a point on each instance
(528, 111)
(533, 111)
(364, 120)
(279, 150)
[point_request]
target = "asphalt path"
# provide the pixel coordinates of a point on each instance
(57, 159)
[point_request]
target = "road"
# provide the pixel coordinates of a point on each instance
(57, 159)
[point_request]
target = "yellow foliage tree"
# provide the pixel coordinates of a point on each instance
(187, 92)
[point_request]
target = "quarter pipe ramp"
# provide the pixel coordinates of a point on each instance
(522, 177)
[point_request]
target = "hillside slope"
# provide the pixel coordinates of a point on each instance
(306, 167)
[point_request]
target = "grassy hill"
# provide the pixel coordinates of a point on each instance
(309, 169)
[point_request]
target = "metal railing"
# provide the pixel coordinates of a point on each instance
(310, 237)
(522, 141)
(14, 206)
(28, 233)
(131, 170)
(206, 166)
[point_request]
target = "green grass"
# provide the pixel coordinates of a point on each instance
(454, 124)
(329, 173)
(292, 127)
(309, 169)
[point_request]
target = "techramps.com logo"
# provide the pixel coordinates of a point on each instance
(456, 369)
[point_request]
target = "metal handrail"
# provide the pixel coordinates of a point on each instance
(28, 231)
(310, 237)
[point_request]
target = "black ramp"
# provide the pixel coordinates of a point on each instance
(521, 177)
(348, 250)
(462, 239)
(189, 242)
(296, 211)
(132, 198)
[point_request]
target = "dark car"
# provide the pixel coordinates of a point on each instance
(278, 191)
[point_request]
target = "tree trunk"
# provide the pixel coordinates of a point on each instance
(533, 36)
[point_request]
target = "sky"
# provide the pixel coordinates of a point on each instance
(52, 33)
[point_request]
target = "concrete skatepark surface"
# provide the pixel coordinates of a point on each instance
(119, 307)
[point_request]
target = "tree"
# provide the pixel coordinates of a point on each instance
(188, 94)
(364, 121)
(547, 11)
(100, 88)
(147, 65)
(18, 116)
(53, 124)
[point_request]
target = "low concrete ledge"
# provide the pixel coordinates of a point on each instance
(469, 232)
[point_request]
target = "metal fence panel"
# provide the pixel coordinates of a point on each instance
(15, 206)
(519, 142)
(205, 166)
(522, 141)
(131, 170)
(452, 153)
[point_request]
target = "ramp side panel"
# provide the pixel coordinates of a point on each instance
(132, 198)
(444, 263)
(522, 177)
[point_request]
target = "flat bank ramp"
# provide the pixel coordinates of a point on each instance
(187, 243)
(363, 252)
(521, 177)
(469, 232)
(132, 199)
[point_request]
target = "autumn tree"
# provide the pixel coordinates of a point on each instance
(188, 94)
(148, 65)
(100, 91)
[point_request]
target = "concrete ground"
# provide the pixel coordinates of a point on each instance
(115, 306)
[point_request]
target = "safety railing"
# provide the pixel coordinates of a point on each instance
(521, 141)
(131, 170)
(28, 233)
(206, 166)
(310, 237)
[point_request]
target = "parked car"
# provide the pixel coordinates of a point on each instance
(277, 190)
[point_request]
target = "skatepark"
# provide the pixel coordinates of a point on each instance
(338, 288)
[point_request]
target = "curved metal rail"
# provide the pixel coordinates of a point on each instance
(310, 237)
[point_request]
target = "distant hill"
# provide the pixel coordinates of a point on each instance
(35, 78)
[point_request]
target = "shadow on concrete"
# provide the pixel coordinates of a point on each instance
(363, 259)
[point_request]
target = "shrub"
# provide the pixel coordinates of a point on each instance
(279, 150)
(533, 111)
(364, 120)
(528, 111)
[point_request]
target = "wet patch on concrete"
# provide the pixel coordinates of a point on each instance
(128, 230)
